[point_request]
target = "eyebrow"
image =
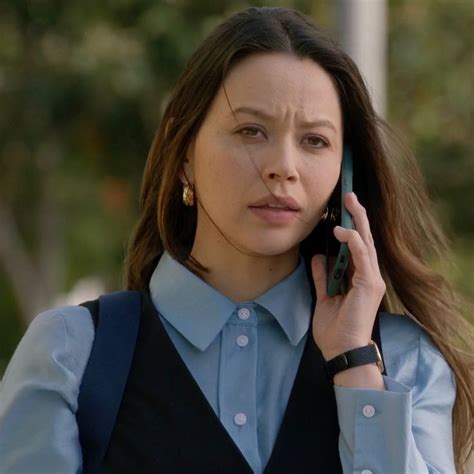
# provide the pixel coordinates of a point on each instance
(265, 115)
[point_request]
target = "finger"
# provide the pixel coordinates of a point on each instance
(359, 252)
(362, 225)
(359, 215)
(318, 267)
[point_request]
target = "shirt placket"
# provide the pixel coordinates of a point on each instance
(237, 381)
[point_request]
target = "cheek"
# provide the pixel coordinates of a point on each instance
(323, 181)
(222, 165)
(222, 181)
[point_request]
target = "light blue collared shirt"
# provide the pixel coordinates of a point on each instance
(244, 357)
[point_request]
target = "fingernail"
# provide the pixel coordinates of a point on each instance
(338, 228)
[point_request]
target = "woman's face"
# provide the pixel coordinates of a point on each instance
(285, 139)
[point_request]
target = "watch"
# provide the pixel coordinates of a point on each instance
(369, 354)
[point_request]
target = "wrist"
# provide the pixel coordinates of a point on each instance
(365, 355)
(365, 376)
(329, 354)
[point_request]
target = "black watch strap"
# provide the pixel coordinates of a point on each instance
(369, 354)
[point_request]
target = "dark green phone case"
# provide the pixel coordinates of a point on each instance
(337, 274)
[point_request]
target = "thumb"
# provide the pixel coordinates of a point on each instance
(318, 267)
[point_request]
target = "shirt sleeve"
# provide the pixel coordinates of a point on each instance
(38, 395)
(404, 429)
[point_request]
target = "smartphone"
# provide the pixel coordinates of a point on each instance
(336, 278)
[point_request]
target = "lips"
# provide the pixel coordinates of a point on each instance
(273, 216)
(275, 210)
(283, 203)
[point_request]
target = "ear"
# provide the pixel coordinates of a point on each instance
(186, 174)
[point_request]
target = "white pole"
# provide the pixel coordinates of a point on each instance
(363, 34)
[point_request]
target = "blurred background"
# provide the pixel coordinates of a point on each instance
(82, 88)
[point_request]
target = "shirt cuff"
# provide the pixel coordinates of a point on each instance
(375, 427)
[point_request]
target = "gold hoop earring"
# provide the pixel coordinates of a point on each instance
(188, 195)
(325, 214)
(332, 213)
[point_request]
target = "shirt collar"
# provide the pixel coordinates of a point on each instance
(199, 312)
(289, 301)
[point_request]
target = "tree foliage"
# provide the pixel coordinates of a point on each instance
(82, 87)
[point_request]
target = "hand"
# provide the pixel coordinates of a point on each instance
(344, 322)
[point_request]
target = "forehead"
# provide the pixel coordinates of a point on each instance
(281, 84)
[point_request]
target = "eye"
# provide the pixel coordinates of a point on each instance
(317, 141)
(249, 131)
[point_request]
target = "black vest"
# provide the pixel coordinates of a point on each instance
(166, 425)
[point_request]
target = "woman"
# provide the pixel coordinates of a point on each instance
(241, 186)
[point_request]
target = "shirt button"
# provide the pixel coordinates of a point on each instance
(240, 419)
(242, 340)
(366, 471)
(243, 313)
(369, 412)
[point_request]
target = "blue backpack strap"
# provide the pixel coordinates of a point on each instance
(106, 374)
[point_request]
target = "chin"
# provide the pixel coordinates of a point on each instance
(271, 247)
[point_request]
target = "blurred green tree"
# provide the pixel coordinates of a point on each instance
(82, 87)
(431, 91)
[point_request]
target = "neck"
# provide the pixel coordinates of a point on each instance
(241, 277)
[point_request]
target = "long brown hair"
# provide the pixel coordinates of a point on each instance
(387, 181)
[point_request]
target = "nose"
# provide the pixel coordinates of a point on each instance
(281, 164)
